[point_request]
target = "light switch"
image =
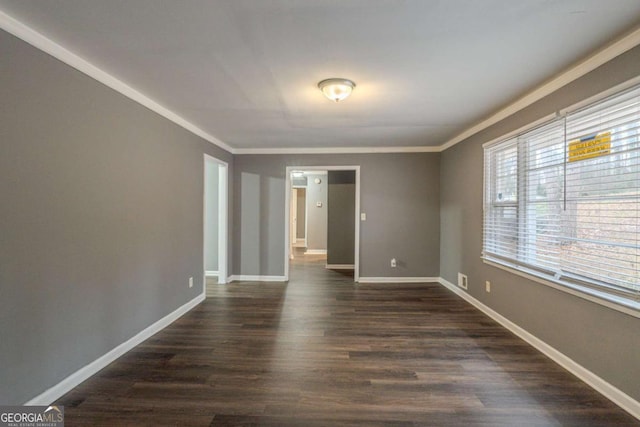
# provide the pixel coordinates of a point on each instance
(318, 204)
(363, 216)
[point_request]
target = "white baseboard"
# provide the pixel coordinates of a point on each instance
(211, 273)
(609, 391)
(63, 387)
(398, 279)
(252, 278)
(315, 252)
(339, 266)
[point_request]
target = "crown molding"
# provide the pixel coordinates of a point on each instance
(338, 150)
(40, 41)
(600, 57)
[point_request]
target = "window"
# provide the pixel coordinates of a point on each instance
(562, 201)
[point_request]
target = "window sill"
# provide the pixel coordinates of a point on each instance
(623, 305)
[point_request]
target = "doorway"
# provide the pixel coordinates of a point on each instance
(298, 215)
(315, 175)
(215, 234)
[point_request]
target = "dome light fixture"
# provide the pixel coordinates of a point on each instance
(336, 89)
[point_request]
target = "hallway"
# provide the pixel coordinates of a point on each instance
(322, 351)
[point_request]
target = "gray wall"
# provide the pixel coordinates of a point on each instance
(341, 208)
(399, 193)
(212, 179)
(317, 215)
(601, 339)
(101, 219)
(302, 212)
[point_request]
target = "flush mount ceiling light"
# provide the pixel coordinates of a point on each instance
(336, 89)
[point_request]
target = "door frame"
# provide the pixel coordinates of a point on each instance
(306, 217)
(293, 210)
(287, 208)
(223, 227)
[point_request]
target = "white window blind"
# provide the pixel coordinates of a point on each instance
(563, 200)
(501, 221)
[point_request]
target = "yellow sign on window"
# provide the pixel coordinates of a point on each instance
(590, 146)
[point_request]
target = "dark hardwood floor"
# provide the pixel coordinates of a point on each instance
(321, 351)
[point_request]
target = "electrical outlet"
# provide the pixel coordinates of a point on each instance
(394, 263)
(191, 282)
(463, 281)
(487, 286)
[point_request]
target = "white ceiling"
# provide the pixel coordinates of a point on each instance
(245, 71)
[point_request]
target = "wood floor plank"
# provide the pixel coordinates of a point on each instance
(322, 351)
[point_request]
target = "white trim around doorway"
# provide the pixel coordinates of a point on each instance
(288, 186)
(223, 235)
